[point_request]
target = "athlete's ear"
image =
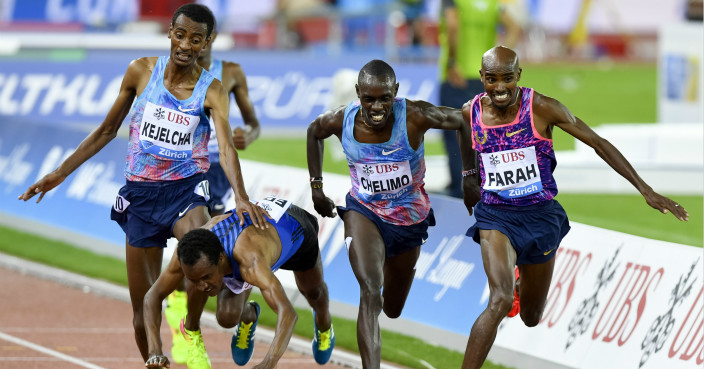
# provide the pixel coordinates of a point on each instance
(171, 28)
(396, 89)
(356, 88)
(518, 77)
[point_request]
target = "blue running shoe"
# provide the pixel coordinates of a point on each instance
(243, 339)
(323, 343)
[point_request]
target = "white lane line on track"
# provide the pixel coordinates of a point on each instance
(48, 351)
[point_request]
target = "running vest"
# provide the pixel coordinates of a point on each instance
(168, 137)
(516, 163)
(289, 230)
(387, 178)
(213, 148)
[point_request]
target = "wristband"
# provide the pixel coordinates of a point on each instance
(470, 172)
(316, 185)
(316, 179)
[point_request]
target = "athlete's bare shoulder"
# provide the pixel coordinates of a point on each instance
(139, 73)
(329, 123)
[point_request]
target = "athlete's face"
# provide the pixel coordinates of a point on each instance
(376, 96)
(501, 82)
(204, 275)
(188, 38)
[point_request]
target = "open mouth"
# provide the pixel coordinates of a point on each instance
(183, 57)
(377, 117)
(502, 97)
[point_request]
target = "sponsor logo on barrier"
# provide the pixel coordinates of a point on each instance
(661, 328)
(448, 272)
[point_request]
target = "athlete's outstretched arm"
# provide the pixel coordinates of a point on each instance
(217, 101)
(167, 282)
(553, 112)
(100, 137)
(256, 271)
(326, 125)
(243, 137)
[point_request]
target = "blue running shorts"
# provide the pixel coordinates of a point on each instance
(147, 211)
(535, 231)
(219, 186)
(397, 238)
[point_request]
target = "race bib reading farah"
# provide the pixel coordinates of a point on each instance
(167, 133)
(512, 173)
(384, 181)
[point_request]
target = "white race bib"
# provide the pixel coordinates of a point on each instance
(203, 189)
(512, 173)
(384, 180)
(276, 207)
(167, 133)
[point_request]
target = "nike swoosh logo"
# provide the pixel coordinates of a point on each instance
(547, 252)
(384, 152)
(181, 213)
(509, 134)
(187, 110)
(423, 240)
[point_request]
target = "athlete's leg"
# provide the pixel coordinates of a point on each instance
(535, 283)
(231, 307)
(143, 268)
(367, 253)
(499, 258)
(312, 286)
(398, 277)
(194, 218)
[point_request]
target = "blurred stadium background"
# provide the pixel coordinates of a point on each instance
(632, 69)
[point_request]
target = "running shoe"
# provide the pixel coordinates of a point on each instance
(323, 343)
(197, 356)
(176, 310)
(516, 308)
(243, 340)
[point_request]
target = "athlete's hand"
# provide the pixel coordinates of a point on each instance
(241, 137)
(664, 204)
(471, 193)
(256, 214)
(42, 186)
(454, 76)
(157, 361)
(323, 204)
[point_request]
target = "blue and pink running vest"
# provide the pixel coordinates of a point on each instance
(387, 178)
(168, 137)
(516, 162)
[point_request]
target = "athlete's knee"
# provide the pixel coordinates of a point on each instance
(317, 293)
(501, 301)
(531, 317)
(393, 310)
(370, 291)
(228, 317)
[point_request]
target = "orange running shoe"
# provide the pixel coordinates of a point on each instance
(516, 308)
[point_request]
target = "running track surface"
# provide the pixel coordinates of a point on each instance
(45, 325)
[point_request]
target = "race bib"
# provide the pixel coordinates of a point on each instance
(276, 207)
(512, 173)
(203, 189)
(121, 204)
(167, 133)
(384, 180)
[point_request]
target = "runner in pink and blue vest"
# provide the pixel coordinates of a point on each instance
(387, 211)
(518, 221)
(165, 193)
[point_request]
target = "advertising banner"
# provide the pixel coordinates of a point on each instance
(615, 301)
(618, 301)
(291, 98)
